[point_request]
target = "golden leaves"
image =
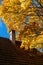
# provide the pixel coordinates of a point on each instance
(25, 3)
(14, 13)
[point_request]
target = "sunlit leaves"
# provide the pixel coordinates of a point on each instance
(25, 3)
(14, 13)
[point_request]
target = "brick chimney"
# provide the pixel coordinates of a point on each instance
(12, 36)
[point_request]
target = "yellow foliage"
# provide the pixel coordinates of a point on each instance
(14, 13)
(41, 2)
(25, 3)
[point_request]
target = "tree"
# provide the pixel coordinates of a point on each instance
(15, 12)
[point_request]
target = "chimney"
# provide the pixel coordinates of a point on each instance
(12, 36)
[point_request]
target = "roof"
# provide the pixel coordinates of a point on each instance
(10, 55)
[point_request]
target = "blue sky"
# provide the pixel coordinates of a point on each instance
(0, 1)
(3, 30)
